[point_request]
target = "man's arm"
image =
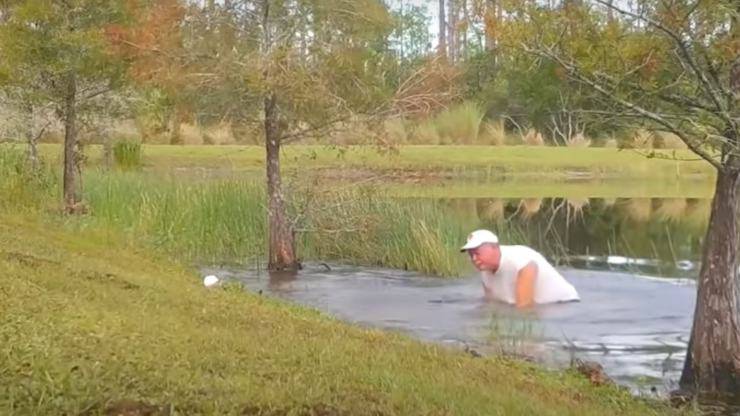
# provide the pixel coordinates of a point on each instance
(525, 281)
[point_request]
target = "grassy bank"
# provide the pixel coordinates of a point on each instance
(490, 161)
(90, 322)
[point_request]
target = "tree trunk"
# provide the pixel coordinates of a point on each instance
(175, 131)
(452, 30)
(107, 148)
(281, 242)
(31, 138)
(491, 25)
(463, 44)
(72, 186)
(713, 359)
(442, 35)
(610, 11)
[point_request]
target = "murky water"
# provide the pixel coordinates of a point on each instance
(637, 328)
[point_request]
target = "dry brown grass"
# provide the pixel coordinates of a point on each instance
(642, 139)
(395, 131)
(528, 207)
(666, 140)
(218, 134)
(636, 209)
(533, 138)
(493, 133)
(425, 133)
(670, 209)
(648, 139)
(576, 205)
(490, 209)
(578, 140)
(611, 143)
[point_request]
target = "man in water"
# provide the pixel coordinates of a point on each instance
(517, 275)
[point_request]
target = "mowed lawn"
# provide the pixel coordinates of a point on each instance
(530, 161)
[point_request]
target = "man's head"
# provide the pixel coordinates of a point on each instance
(482, 246)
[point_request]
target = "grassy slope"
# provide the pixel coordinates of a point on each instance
(88, 320)
(494, 160)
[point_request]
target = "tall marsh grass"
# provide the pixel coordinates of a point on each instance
(127, 154)
(224, 221)
(218, 221)
(460, 124)
(367, 228)
(493, 133)
(22, 187)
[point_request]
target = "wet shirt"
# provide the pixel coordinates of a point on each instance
(550, 285)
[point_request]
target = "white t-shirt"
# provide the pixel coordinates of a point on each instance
(550, 286)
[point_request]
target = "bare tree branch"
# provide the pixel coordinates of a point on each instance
(97, 93)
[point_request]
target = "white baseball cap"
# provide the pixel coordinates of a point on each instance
(478, 237)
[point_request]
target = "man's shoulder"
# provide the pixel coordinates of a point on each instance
(519, 250)
(518, 256)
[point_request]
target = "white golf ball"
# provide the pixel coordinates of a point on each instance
(210, 281)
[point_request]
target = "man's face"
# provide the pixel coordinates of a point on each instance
(486, 257)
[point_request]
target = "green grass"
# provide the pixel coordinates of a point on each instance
(224, 221)
(369, 228)
(213, 222)
(536, 162)
(19, 186)
(459, 124)
(127, 154)
(90, 320)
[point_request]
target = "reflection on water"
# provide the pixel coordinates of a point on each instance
(654, 236)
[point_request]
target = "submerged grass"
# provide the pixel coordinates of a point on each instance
(93, 325)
